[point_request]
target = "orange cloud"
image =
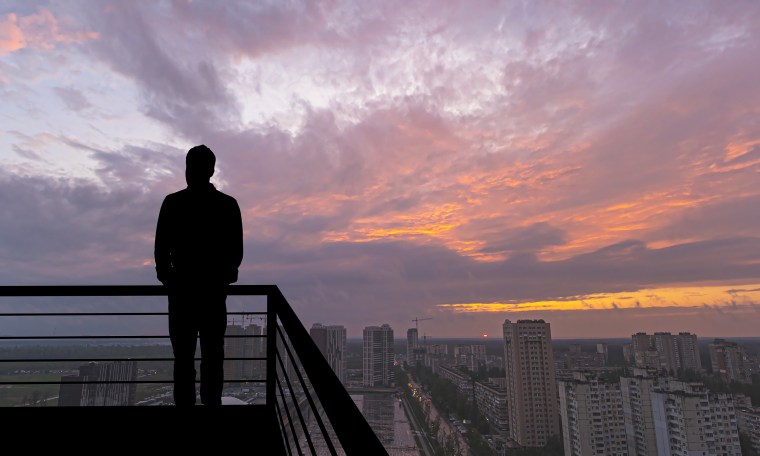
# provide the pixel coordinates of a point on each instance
(433, 221)
(683, 297)
(595, 227)
(40, 30)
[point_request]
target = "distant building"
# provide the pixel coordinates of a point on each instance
(412, 343)
(460, 379)
(331, 341)
(234, 347)
(471, 356)
(603, 349)
(377, 359)
(491, 399)
(434, 355)
(88, 390)
(415, 352)
(441, 350)
(592, 416)
(577, 359)
(628, 353)
(663, 350)
(241, 344)
(729, 360)
(531, 385)
(254, 347)
(687, 350)
(378, 410)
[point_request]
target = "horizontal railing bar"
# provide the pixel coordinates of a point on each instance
(101, 314)
(104, 382)
(119, 382)
(79, 337)
(231, 336)
(42, 360)
(121, 290)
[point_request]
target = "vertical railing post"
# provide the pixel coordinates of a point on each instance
(273, 303)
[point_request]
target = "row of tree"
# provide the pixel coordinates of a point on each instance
(450, 402)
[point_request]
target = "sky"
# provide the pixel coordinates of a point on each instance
(593, 164)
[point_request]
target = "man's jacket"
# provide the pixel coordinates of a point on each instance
(199, 238)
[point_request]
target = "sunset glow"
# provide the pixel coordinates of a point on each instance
(684, 297)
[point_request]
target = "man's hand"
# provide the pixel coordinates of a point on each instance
(232, 276)
(165, 276)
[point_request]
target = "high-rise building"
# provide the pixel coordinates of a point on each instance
(377, 359)
(690, 420)
(687, 350)
(637, 411)
(665, 416)
(412, 343)
(241, 345)
(729, 360)
(91, 391)
(253, 347)
(592, 416)
(331, 341)
(603, 349)
(531, 384)
(234, 350)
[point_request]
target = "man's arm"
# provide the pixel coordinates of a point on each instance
(162, 250)
(236, 244)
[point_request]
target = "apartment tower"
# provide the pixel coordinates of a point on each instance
(412, 343)
(377, 359)
(331, 341)
(531, 384)
(591, 407)
(92, 388)
(728, 360)
(637, 411)
(663, 350)
(690, 420)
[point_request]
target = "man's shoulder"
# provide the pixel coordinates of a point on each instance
(176, 195)
(225, 197)
(186, 196)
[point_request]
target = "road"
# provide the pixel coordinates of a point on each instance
(446, 428)
(427, 448)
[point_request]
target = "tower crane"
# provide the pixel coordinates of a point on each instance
(416, 320)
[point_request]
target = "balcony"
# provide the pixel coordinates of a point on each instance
(303, 408)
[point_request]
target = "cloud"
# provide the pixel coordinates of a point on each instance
(72, 98)
(11, 36)
(392, 157)
(40, 30)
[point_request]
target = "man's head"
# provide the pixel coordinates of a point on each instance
(199, 165)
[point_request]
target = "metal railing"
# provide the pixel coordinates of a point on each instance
(314, 412)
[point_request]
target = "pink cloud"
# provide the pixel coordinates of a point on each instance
(11, 36)
(41, 30)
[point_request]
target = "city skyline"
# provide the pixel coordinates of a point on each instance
(593, 166)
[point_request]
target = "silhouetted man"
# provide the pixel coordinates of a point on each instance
(198, 249)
